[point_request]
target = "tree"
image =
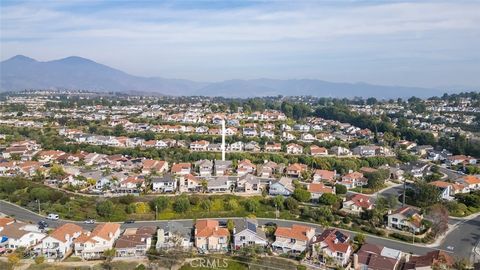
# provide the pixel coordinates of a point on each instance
(181, 204)
(291, 204)
(161, 203)
(340, 189)
(301, 195)
(359, 238)
(278, 201)
(206, 205)
(328, 199)
(424, 194)
(141, 208)
(105, 208)
(438, 215)
(57, 171)
(230, 225)
(109, 254)
(231, 205)
(252, 205)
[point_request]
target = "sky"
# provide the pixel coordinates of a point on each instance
(409, 43)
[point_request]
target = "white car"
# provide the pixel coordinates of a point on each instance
(53, 217)
(89, 221)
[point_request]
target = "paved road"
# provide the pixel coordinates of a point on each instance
(464, 238)
(28, 216)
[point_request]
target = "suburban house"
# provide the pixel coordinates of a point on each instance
(296, 169)
(210, 236)
(318, 189)
(247, 233)
(199, 145)
(324, 175)
(223, 167)
(293, 148)
(164, 183)
(91, 245)
(134, 242)
(273, 147)
(334, 244)
(245, 166)
(59, 243)
(293, 240)
(461, 160)
(284, 187)
(174, 235)
(154, 166)
(318, 151)
(205, 167)
(406, 218)
(132, 184)
(189, 183)
(267, 169)
(445, 188)
(181, 168)
(432, 260)
(249, 184)
(14, 234)
(353, 179)
(357, 203)
(220, 184)
(376, 257)
(471, 181)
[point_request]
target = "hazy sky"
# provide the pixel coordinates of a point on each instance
(430, 43)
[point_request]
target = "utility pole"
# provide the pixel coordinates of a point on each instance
(156, 211)
(38, 201)
(404, 189)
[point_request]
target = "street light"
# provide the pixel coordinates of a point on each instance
(38, 201)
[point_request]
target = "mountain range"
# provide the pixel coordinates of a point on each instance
(21, 72)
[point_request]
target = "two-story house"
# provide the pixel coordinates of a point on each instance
(284, 187)
(91, 245)
(295, 239)
(134, 242)
(59, 243)
(247, 233)
(210, 236)
(164, 183)
(406, 218)
(334, 244)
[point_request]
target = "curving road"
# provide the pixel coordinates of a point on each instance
(28, 216)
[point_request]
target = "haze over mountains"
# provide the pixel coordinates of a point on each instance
(21, 72)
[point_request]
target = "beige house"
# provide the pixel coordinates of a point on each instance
(210, 236)
(91, 245)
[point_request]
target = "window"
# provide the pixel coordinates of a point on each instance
(394, 219)
(242, 238)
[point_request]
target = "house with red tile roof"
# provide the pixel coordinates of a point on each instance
(353, 180)
(324, 175)
(156, 166)
(334, 244)
(376, 257)
(91, 245)
(318, 189)
(293, 148)
(406, 218)
(296, 169)
(357, 203)
(471, 181)
(59, 243)
(318, 151)
(181, 168)
(295, 239)
(210, 236)
(437, 259)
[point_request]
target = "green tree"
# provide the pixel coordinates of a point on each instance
(340, 189)
(206, 205)
(161, 203)
(252, 205)
(291, 204)
(360, 238)
(181, 204)
(301, 195)
(328, 199)
(105, 208)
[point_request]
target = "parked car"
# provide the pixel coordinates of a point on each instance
(42, 224)
(130, 221)
(53, 217)
(89, 221)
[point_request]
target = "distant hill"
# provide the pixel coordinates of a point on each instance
(21, 72)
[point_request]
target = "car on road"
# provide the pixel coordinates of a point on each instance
(53, 217)
(89, 221)
(130, 221)
(450, 248)
(42, 224)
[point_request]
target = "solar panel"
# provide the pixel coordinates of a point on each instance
(252, 227)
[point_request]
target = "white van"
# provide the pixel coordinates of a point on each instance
(52, 216)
